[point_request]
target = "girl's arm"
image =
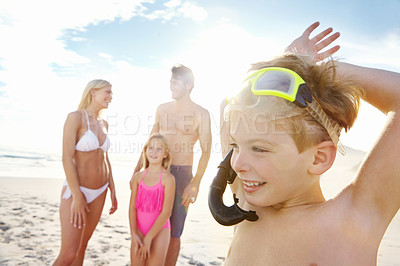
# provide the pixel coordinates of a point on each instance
(136, 242)
(78, 205)
(376, 190)
(169, 195)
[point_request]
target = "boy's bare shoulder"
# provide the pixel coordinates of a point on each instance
(303, 236)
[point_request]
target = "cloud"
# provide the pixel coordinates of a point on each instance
(36, 87)
(190, 10)
(105, 56)
(175, 8)
(35, 97)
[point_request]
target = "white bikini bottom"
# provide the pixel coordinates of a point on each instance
(90, 194)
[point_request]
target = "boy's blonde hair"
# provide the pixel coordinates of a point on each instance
(166, 163)
(340, 99)
(95, 84)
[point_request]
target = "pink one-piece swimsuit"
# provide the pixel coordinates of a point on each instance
(149, 203)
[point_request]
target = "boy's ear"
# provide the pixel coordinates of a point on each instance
(324, 156)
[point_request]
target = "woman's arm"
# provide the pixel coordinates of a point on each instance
(79, 205)
(111, 186)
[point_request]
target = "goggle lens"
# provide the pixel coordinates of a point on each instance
(276, 81)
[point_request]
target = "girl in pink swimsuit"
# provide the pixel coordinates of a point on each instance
(151, 204)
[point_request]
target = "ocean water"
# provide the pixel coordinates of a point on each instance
(19, 162)
(23, 162)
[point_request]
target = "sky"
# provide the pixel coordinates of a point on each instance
(50, 49)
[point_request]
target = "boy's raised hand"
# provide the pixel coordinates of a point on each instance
(312, 47)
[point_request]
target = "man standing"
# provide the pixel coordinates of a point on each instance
(183, 123)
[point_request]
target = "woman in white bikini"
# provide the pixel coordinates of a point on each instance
(88, 172)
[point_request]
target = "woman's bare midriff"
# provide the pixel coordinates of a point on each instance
(91, 168)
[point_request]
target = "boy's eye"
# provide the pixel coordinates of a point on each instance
(256, 149)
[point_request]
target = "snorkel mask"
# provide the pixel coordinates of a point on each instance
(274, 81)
(287, 84)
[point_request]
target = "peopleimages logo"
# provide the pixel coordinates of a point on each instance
(128, 133)
(133, 124)
(134, 147)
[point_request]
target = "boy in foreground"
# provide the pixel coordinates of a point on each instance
(284, 128)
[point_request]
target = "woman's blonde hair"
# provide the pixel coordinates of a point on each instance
(95, 84)
(339, 98)
(166, 163)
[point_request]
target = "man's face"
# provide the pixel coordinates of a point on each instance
(178, 87)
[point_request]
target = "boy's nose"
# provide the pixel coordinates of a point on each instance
(239, 162)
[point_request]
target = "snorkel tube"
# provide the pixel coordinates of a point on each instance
(223, 214)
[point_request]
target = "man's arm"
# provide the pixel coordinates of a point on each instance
(205, 140)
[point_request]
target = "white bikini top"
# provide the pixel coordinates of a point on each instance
(90, 142)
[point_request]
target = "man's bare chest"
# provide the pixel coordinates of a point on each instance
(183, 123)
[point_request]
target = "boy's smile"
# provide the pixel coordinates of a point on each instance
(250, 186)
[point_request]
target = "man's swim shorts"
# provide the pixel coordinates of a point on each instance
(183, 175)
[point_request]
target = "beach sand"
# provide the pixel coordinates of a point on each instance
(30, 228)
